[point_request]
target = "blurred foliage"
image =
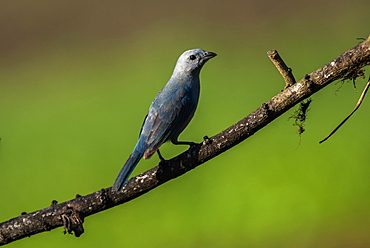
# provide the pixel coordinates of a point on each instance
(77, 79)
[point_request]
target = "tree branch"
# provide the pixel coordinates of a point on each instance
(284, 70)
(71, 214)
(350, 114)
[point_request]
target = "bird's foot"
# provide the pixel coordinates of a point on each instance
(160, 156)
(207, 140)
(185, 143)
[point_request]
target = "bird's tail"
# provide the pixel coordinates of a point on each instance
(127, 168)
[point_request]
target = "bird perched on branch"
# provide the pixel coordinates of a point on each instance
(170, 112)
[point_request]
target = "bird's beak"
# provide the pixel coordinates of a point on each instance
(209, 55)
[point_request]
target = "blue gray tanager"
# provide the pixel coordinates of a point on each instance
(170, 111)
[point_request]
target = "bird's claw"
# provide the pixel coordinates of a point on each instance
(207, 140)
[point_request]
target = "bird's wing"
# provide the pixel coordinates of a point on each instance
(142, 125)
(164, 120)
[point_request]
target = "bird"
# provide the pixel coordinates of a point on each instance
(170, 112)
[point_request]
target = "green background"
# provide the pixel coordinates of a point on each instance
(77, 78)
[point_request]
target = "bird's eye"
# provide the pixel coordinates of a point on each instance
(192, 57)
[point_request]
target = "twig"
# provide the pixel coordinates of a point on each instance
(353, 111)
(284, 70)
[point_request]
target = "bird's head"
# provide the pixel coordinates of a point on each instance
(192, 61)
